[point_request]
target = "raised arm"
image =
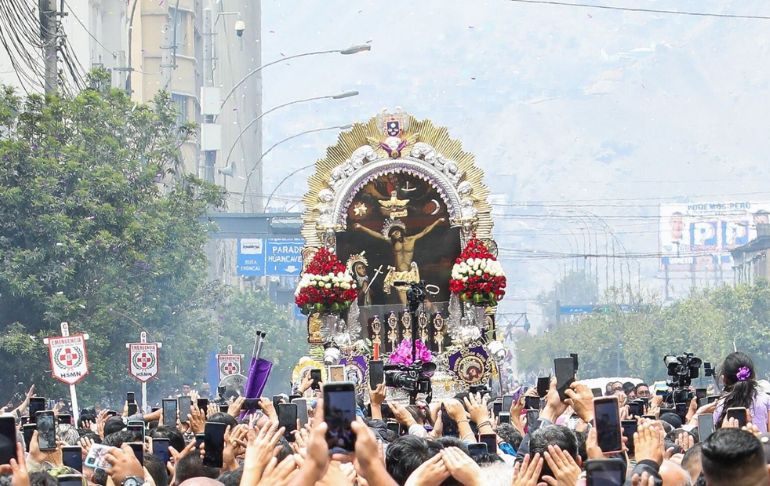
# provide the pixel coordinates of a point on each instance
(369, 232)
(429, 228)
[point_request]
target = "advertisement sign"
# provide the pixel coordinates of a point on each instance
(143, 361)
(699, 236)
(69, 361)
(251, 257)
(228, 364)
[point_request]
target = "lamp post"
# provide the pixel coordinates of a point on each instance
(261, 157)
(350, 50)
(292, 173)
(227, 170)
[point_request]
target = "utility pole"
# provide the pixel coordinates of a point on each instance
(49, 29)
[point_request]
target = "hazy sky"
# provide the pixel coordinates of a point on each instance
(557, 103)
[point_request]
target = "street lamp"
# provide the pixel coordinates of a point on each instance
(270, 197)
(261, 157)
(350, 50)
(346, 94)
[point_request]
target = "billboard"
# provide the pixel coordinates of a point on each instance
(699, 236)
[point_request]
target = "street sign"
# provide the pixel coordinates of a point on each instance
(273, 257)
(283, 258)
(69, 362)
(251, 257)
(143, 360)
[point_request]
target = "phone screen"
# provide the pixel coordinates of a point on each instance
(203, 404)
(72, 456)
(130, 397)
(543, 383)
(700, 393)
(477, 450)
(36, 404)
(7, 439)
(565, 374)
(739, 414)
(133, 408)
(376, 374)
(596, 392)
(532, 403)
(214, 441)
(507, 402)
(490, 440)
(315, 375)
(287, 417)
(28, 430)
(137, 428)
(70, 480)
(629, 428)
(450, 426)
(497, 407)
(605, 472)
(138, 448)
(185, 403)
(505, 418)
(169, 412)
(607, 418)
(339, 413)
(46, 430)
(160, 450)
(301, 404)
(635, 409)
(705, 426)
(65, 418)
(533, 420)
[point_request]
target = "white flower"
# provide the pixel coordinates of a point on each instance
(479, 273)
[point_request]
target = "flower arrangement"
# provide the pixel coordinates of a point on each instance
(403, 353)
(477, 276)
(326, 286)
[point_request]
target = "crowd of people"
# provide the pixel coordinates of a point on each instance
(464, 440)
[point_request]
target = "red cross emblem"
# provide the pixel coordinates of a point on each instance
(144, 360)
(69, 356)
(230, 368)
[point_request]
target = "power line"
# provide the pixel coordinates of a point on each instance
(643, 10)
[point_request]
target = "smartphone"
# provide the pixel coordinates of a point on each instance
(214, 441)
(65, 418)
(138, 427)
(97, 457)
(565, 375)
(533, 420)
(133, 408)
(605, 472)
(738, 413)
(701, 393)
(650, 417)
(223, 408)
(46, 430)
(160, 450)
(72, 456)
(36, 404)
(27, 431)
(376, 373)
(667, 410)
(185, 404)
(543, 384)
(69, 480)
(130, 397)
(449, 425)
(681, 410)
(199, 438)
(477, 450)
(497, 407)
(301, 404)
(7, 439)
(315, 375)
(507, 402)
(491, 442)
(607, 422)
(712, 398)
(635, 409)
(24, 419)
(705, 426)
(629, 428)
(170, 412)
(532, 403)
(336, 373)
(393, 426)
(203, 404)
(111, 413)
(339, 413)
(138, 448)
(287, 417)
(251, 404)
(597, 392)
(504, 418)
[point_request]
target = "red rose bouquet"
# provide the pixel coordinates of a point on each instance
(477, 276)
(326, 286)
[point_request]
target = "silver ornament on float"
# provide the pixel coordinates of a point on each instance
(497, 351)
(332, 356)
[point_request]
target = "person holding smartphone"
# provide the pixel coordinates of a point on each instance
(741, 391)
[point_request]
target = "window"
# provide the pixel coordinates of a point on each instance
(180, 103)
(178, 25)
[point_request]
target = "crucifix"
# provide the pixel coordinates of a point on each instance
(393, 330)
(422, 322)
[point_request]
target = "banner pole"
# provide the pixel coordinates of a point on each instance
(74, 400)
(144, 397)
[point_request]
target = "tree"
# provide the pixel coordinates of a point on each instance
(575, 288)
(88, 235)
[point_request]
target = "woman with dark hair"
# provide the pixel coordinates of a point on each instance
(741, 390)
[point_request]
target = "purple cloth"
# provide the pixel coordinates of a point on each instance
(759, 410)
(259, 371)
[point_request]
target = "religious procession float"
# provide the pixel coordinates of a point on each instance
(399, 263)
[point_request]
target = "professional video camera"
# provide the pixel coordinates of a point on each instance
(682, 369)
(413, 379)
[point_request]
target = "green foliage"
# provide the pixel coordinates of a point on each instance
(575, 288)
(707, 324)
(88, 235)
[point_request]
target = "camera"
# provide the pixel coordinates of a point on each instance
(240, 26)
(414, 378)
(682, 369)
